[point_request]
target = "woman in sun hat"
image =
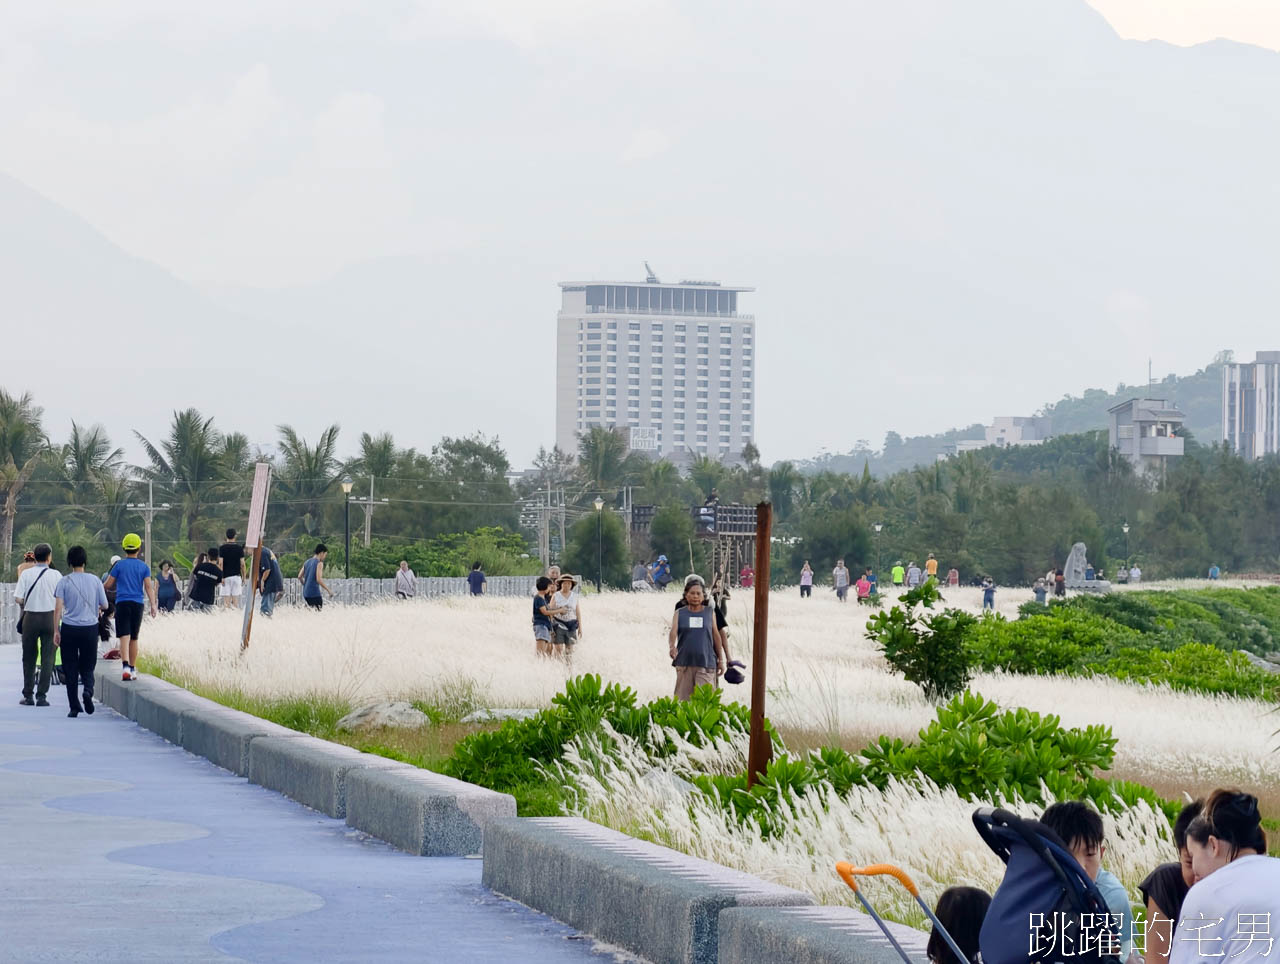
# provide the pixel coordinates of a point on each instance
(694, 643)
(566, 624)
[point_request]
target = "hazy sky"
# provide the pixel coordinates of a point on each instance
(275, 142)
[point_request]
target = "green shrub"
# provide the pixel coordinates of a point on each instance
(927, 649)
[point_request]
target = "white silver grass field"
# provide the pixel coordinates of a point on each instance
(825, 678)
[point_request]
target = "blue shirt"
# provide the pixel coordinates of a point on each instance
(1113, 893)
(539, 619)
(310, 585)
(81, 595)
(272, 579)
(130, 572)
(476, 579)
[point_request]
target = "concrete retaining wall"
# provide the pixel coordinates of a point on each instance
(655, 902)
(811, 935)
(413, 809)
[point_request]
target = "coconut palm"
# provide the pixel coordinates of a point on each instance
(304, 478)
(22, 445)
(187, 464)
(604, 460)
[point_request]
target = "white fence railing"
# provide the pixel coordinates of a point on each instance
(352, 592)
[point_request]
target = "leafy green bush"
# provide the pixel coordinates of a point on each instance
(928, 650)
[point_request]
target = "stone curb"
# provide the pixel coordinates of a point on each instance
(424, 813)
(652, 901)
(413, 809)
(811, 935)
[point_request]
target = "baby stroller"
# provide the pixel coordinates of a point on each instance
(1047, 909)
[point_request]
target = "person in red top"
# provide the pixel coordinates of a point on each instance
(747, 577)
(863, 586)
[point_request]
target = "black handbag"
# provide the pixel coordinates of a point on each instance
(18, 624)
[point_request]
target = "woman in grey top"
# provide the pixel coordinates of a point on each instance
(695, 644)
(80, 601)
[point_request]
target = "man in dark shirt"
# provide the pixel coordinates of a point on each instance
(476, 580)
(270, 580)
(232, 555)
(204, 583)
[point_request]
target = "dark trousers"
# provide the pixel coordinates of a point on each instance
(806, 591)
(79, 657)
(37, 634)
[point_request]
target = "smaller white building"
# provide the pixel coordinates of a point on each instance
(1144, 431)
(1009, 430)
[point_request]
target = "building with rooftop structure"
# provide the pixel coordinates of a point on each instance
(1144, 431)
(673, 365)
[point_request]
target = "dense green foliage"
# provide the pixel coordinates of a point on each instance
(499, 552)
(928, 648)
(1186, 638)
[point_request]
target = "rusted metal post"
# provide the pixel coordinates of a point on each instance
(760, 751)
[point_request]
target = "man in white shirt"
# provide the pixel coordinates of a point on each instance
(34, 594)
(1135, 574)
(406, 581)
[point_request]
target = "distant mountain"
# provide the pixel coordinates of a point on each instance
(1198, 396)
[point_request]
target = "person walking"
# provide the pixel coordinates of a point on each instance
(747, 577)
(311, 575)
(806, 581)
(840, 576)
(566, 621)
(1059, 583)
(205, 579)
(81, 602)
(270, 581)
(167, 593)
(35, 597)
(953, 576)
(914, 576)
(476, 580)
(28, 562)
(406, 581)
(988, 594)
(898, 574)
(863, 585)
(931, 567)
(231, 555)
(131, 579)
(1135, 574)
(694, 643)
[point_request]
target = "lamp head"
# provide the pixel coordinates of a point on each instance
(599, 503)
(346, 485)
(879, 526)
(1125, 528)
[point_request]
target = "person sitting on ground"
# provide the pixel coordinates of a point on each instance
(1165, 888)
(1080, 828)
(661, 573)
(961, 910)
(1236, 884)
(694, 643)
(641, 580)
(566, 623)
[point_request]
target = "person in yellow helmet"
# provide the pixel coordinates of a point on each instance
(134, 587)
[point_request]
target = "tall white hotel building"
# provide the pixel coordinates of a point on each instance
(673, 365)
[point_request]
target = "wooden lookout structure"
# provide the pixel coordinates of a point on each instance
(731, 530)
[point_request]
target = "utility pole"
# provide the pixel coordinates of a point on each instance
(148, 512)
(368, 506)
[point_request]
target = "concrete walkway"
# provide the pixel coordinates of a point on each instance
(118, 846)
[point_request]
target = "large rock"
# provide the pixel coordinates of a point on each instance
(1261, 663)
(392, 713)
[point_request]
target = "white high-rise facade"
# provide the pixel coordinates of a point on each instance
(673, 365)
(1251, 406)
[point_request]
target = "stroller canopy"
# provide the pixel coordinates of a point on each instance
(1043, 884)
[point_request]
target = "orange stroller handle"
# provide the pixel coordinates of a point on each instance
(848, 872)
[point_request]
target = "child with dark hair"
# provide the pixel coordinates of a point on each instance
(1165, 888)
(1237, 884)
(1080, 828)
(542, 613)
(961, 910)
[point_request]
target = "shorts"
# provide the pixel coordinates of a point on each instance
(195, 605)
(841, 592)
(315, 602)
(128, 619)
(563, 635)
(689, 678)
(231, 586)
(542, 633)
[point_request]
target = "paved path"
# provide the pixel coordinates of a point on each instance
(118, 846)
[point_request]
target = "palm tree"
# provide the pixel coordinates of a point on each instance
(604, 460)
(379, 458)
(93, 471)
(87, 455)
(661, 482)
(187, 463)
(22, 445)
(707, 473)
(305, 475)
(783, 481)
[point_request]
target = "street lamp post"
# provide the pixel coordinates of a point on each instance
(879, 526)
(1125, 529)
(346, 513)
(599, 504)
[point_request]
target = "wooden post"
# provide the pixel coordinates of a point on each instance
(253, 540)
(760, 751)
